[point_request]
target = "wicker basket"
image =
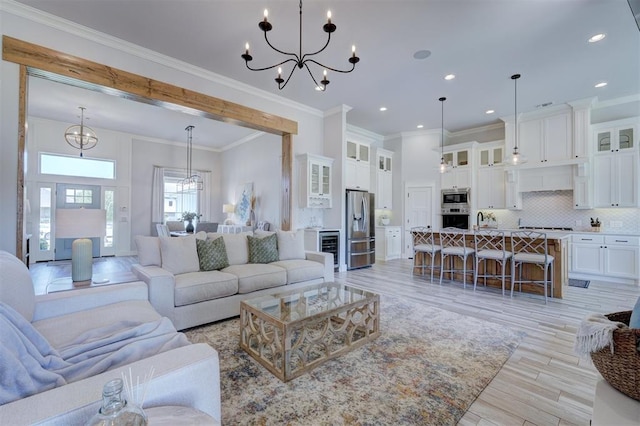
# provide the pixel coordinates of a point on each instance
(622, 368)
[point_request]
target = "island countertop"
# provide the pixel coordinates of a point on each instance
(558, 247)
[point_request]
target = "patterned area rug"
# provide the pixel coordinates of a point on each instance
(427, 367)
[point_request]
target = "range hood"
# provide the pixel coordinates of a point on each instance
(554, 178)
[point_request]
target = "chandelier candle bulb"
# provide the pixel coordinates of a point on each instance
(328, 16)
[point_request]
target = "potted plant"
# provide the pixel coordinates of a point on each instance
(188, 217)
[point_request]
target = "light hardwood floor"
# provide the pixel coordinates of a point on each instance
(543, 383)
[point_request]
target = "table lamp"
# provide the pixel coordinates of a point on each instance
(229, 209)
(81, 224)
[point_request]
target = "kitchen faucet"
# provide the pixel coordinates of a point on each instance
(478, 216)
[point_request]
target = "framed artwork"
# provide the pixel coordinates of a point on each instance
(243, 203)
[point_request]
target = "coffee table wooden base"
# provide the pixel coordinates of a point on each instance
(289, 349)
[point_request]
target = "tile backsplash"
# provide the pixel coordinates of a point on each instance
(555, 208)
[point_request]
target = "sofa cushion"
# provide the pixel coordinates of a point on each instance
(257, 276)
(212, 254)
(16, 287)
(299, 270)
(263, 250)
(148, 250)
(290, 244)
(62, 331)
(197, 287)
(179, 254)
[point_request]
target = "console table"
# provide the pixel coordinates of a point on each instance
(233, 229)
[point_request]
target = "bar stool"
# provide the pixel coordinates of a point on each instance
(489, 245)
(530, 247)
(452, 245)
(424, 244)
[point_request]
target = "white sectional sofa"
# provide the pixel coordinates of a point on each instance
(181, 289)
(58, 350)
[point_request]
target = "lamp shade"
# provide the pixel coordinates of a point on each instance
(228, 208)
(80, 223)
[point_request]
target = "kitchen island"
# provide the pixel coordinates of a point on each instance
(558, 247)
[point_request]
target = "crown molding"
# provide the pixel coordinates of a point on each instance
(364, 133)
(617, 101)
(77, 30)
(487, 128)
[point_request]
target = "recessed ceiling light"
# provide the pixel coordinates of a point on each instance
(449, 76)
(420, 126)
(422, 54)
(489, 111)
(601, 84)
(383, 109)
(596, 38)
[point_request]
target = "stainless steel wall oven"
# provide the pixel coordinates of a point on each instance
(455, 208)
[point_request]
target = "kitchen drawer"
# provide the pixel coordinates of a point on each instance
(588, 239)
(622, 240)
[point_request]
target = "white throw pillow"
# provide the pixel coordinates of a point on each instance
(290, 244)
(148, 251)
(179, 254)
(237, 248)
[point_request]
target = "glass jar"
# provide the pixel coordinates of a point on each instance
(115, 410)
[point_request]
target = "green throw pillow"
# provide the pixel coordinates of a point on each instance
(263, 250)
(212, 254)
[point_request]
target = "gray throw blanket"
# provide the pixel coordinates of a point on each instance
(29, 364)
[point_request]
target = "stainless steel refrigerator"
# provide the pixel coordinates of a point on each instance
(361, 240)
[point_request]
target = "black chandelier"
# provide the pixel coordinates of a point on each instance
(300, 60)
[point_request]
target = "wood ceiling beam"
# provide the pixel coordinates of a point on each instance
(42, 58)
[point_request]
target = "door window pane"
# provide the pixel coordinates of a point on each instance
(45, 219)
(109, 207)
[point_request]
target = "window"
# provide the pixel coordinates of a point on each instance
(176, 201)
(53, 164)
(78, 196)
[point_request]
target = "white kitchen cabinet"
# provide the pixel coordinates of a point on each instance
(615, 164)
(513, 196)
(491, 155)
(615, 139)
(315, 181)
(547, 139)
(615, 179)
(460, 158)
(358, 166)
(582, 186)
(383, 178)
(456, 178)
(388, 242)
(606, 256)
(490, 186)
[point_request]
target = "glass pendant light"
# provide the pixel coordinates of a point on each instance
(516, 157)
(444, 166)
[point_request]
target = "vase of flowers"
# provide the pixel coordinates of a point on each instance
(188, 217)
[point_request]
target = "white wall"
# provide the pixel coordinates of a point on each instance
(57, 34)
(257, 162)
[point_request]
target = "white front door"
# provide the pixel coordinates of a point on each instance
(418, 211)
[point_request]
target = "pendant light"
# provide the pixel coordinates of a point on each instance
(193, 181)
(516, 157)
(80, 136)
(444, 166)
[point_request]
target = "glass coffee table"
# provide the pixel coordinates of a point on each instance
(292, 332)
